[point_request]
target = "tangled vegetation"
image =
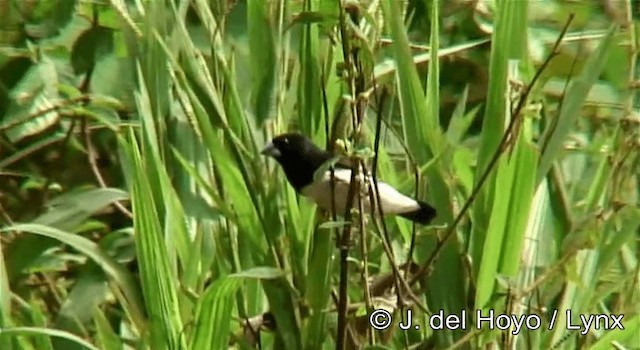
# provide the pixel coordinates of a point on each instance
(137, 213)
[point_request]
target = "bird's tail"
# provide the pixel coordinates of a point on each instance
(422, 215)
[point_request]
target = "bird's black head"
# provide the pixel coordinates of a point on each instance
(298, 156)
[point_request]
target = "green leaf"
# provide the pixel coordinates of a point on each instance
(123, 279)
(17, 331)
(311, 17)
(309, 96)
(29, 112)
(329, 225)
(158, 280)
(74, 207)
(263, 53)
(260, 273)
(213, 315)
(627, 337)
(577, 92)
(107, 338)
(420, 125)
(90, 46)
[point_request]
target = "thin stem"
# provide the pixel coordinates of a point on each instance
(502, 146)
(343, 243)
(91, 155)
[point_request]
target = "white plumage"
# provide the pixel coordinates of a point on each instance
(393, 202)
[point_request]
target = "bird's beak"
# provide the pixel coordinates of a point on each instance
(270, 150)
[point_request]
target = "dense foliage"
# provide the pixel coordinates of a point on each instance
(137, 212)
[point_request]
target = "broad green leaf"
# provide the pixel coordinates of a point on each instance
(89, 47)
(264, 58)
(107, 338)
(213, 315)
(261, 273)
(72, 208)
(122, 277)
(577, 92)
(49, 332)
(158, 280)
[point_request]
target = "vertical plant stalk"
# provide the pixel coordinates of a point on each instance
(86, 132)
(343, 247)
(374, 197)
(412, 243)
(345, 238)
(329, 147)
(514, 82)
(84, 89)
(399, 280)
(356, 81)
(629, 115)
(365, 262)
(634, 85)
(282, 45)
(633, 57)
(91, 156)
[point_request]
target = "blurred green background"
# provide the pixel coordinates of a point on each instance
(137, 213)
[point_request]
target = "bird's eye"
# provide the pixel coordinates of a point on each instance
(286, 141)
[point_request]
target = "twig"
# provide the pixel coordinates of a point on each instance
(343, 247)
(546, 275)
(506, 137)
(63, 153)
(62, 104)
(386, 241)
(365, 264)
(94, 166)
(87, 134)
(5, 215)
(399, 279)
(465, 339)
(83, 88)
(329, 147)
(412, 244)
(343, 243)
(554, 122)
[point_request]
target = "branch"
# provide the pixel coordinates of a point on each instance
(506, 138)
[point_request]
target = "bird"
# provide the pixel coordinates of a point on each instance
(300, 159)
